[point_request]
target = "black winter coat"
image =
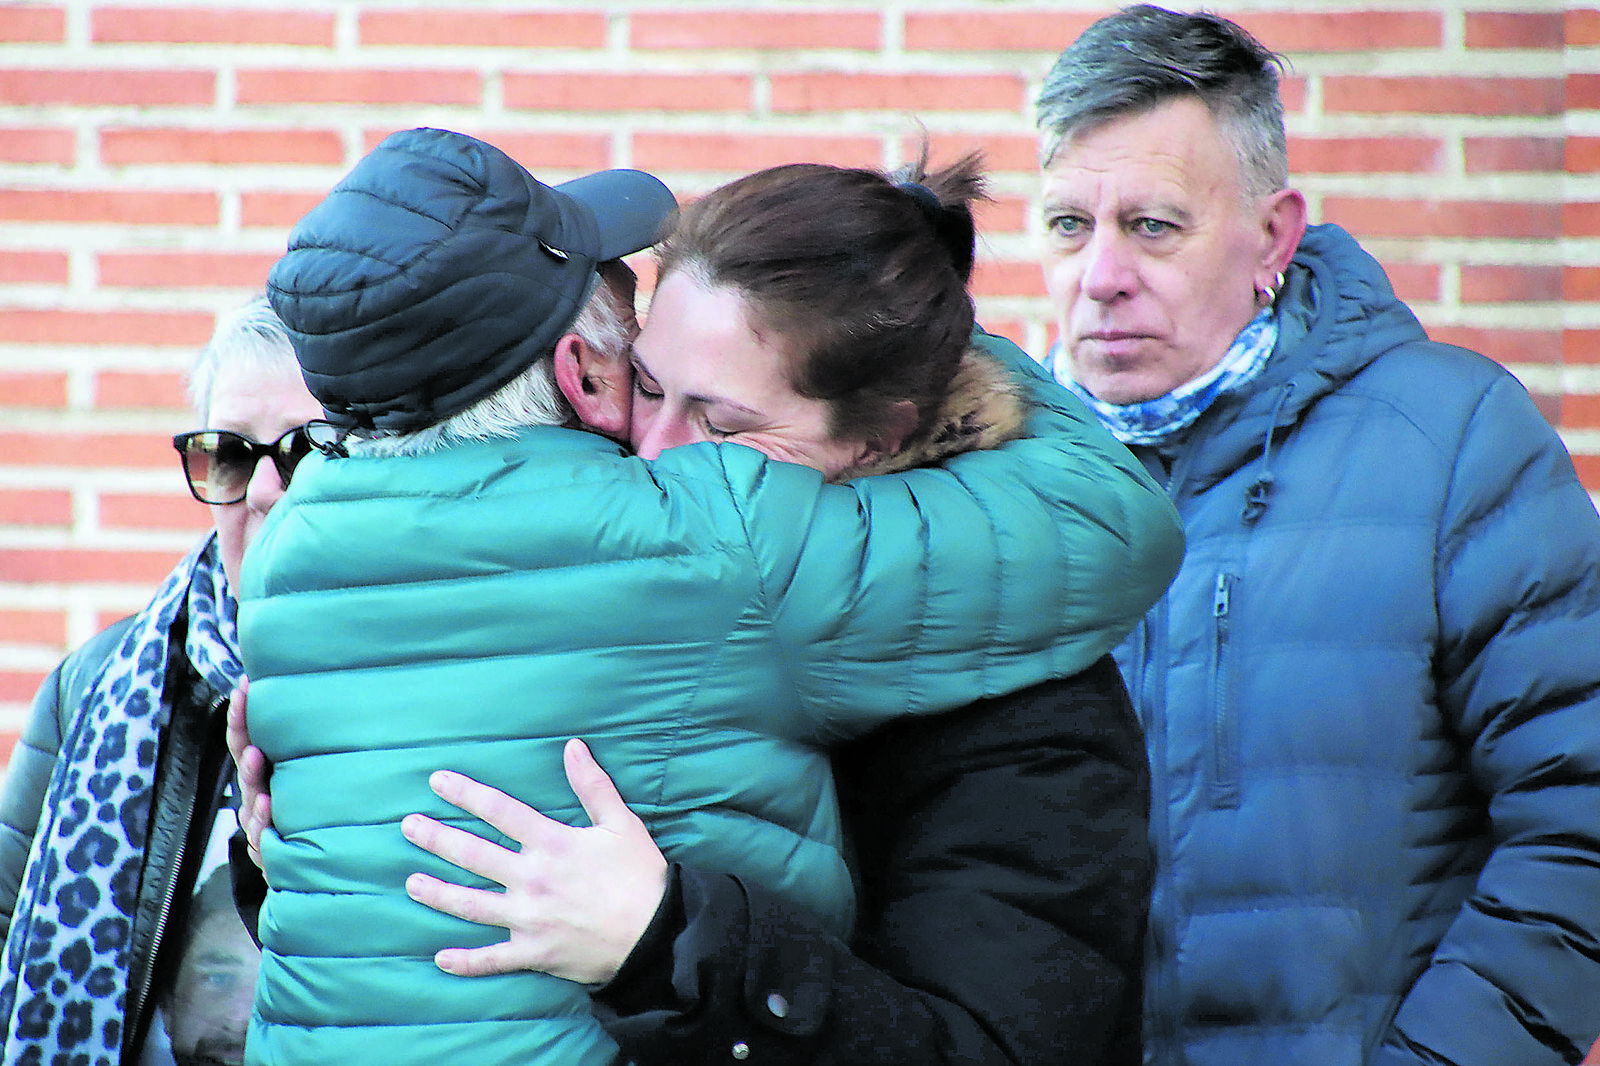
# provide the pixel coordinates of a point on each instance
(1006, 873)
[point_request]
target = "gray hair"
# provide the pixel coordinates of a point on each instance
(532, 398)
(253, 335)
(1143, 56)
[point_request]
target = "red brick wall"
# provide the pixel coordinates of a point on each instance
(153, 156)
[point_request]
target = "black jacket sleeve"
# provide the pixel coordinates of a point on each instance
(1005, 877)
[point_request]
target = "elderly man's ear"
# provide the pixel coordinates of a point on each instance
(1283, 223)
(598, 386)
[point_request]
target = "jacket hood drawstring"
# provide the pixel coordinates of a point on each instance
(1257, 497)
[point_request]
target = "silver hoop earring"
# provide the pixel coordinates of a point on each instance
(1267, 295)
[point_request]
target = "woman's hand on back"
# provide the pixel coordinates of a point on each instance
(255, 773)
(576, 900)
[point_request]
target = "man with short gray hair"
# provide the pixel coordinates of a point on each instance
(1371, 697)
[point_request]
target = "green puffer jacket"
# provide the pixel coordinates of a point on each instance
(706, 621)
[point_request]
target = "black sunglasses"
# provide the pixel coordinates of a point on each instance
(219, 463)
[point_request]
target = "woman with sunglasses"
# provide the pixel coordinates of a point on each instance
(134, 719)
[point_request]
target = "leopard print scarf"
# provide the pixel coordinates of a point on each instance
(65, 987)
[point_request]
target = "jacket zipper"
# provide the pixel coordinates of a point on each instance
(1225, 769)
(138, 1002)
(161, 920)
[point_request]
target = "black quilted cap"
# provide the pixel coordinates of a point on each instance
(439, 269)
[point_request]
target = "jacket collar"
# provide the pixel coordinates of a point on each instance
(1337, 313)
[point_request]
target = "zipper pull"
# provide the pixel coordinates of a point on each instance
(1219, 597)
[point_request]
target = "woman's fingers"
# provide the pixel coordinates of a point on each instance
(576, 898)
(484, 908)
(594, 788)
(256, 819)
(238, 732)
(252, 765)
(511, 816)
(504, 957)
(478, 905)
(255, 802)
(461, 848)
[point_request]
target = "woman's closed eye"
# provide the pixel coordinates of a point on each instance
(644, 388)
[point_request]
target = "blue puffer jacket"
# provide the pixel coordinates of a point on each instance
(1372, 700)
(707, 621)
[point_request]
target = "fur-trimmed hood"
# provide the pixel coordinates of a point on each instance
(983, 410)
